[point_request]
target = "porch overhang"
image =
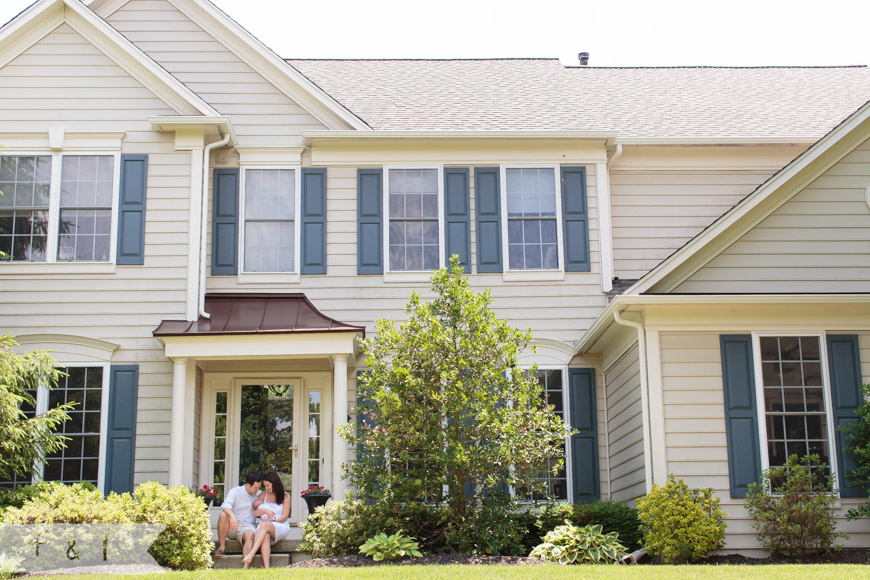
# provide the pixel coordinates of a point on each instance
(258, 326)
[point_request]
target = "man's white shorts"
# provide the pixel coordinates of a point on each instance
(240, 533)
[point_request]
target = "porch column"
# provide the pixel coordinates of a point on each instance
(339, 406)
(176, 426)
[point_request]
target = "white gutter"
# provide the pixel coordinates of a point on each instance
(644, 396)
(309, 136)
(203, 238)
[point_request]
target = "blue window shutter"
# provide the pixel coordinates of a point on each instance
(487, 200)
(741, 418)
(575, 219)
(131, 210)
(225, 223)
(457, 214)
(370, 221)
(121, 435)
(845, 371)
(584, 444)
(313, 221)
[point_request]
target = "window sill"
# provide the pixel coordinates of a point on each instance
(406, 277)
(533, 275)
(29, 268)
(269, 278)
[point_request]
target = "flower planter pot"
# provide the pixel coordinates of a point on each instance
(314, 501)
(207, 499)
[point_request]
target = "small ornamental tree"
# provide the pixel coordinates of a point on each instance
(446, 415)
(25, 440)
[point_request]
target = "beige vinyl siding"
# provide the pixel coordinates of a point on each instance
(64, 81)
(816, 242)
(560, 310)
(656, 212)
(261, 114)
(625, 428)
(694, 413)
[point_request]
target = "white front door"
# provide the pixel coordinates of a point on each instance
(265, 424)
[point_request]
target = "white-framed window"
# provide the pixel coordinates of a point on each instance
(59, 207)
(414, 236)
(794, 398)
(547, 485)
(83, 458)
(532, 218)
(270, 231)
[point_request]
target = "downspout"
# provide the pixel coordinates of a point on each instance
(203, 241)
(605, 220)
(644, 395)
(607, 439)
(616, 155)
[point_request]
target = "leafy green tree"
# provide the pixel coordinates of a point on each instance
(858, 436)
(447, 416)
(25, 440)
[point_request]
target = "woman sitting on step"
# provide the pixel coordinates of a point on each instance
(273, 509)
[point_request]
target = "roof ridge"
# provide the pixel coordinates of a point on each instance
(419, 59)
(576, 66)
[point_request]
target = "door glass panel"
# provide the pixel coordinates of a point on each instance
(220, 446)
(314, 437)
(266, 435)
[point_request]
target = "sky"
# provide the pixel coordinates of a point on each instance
(614, 32)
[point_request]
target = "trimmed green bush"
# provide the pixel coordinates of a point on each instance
(570, 544)
(184, 544)
(490, 530)
(612, 517)
(337, 528)
(679, 524)
(792, 509)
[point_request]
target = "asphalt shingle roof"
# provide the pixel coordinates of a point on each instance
(541, 94)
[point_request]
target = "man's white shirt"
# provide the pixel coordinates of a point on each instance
(241, 504)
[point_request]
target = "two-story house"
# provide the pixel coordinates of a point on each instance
(201, 231)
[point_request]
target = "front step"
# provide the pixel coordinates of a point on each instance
(283, 554)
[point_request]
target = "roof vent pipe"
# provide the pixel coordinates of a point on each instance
(584, 58)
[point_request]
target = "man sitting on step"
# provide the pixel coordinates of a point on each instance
(237, 515)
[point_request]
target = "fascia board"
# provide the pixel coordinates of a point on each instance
(29, 27)
(605, 319)
(311, 136)
(128, 56)
(713, 140)
(272, 67)
(758, 205)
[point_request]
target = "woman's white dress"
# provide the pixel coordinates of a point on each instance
(281, 528)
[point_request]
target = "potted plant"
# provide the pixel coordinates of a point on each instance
(315, 496)
(207, 493)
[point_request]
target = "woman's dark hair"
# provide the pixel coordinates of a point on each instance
(277, 486)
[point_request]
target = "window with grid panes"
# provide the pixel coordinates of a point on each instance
(531, 218)
(547, 485)
(270, 220)
(795, 412)
(413, 233)
(80, 459)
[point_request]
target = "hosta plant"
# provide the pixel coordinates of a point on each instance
(9, 566)
(570, 544)
(384, 547)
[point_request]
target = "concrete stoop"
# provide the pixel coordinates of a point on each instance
(283, 554)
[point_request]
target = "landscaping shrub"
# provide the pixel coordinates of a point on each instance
(184, 544)
(337, 528)
(858, 437)
(570, 544)
(491, 530)
(17, 497)
(792, 508)
(384, 547)
(611, 516)
(679, 524)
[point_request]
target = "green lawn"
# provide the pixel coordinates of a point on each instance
(549, 572)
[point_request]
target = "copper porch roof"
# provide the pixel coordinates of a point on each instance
(256, 314)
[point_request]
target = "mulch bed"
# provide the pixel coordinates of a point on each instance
(844, 556)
